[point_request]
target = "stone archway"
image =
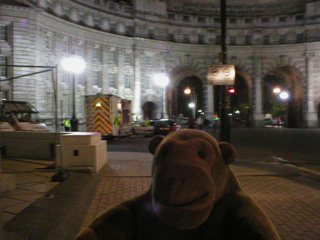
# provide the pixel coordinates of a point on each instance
(180, 77)
(289, 79)
(196, 97)
(241, 100)
(149, 110)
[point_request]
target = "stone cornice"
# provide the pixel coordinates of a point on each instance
(266, 9)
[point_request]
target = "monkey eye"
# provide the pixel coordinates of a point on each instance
(202, 154)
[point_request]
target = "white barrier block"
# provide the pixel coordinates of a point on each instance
(81, 138)
(94, 156)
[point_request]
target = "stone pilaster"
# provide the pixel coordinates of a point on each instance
(136, 109)
(311, 115)
(210, 103)
(257, 110)
(121, 65)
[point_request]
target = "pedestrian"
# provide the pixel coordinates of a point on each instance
(67, 124)
(147, 122)
(191, 122)
(278, 120)
(200, 122)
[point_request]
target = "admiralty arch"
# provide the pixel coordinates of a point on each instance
(125, 43)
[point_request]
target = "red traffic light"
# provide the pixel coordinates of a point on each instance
(231, 90)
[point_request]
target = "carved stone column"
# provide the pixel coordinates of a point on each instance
(210, 103)
(165, 89)
(257, 97)
(121, 65)
(104, 72)
(136, 110)
(311, 115)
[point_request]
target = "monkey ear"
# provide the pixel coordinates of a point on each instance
(228, 152)
(154, 143)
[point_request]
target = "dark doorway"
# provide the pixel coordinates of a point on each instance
(149, 109)
(196, 96)
(240, 102)
(272, 103)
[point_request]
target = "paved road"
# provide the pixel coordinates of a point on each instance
(293, 145)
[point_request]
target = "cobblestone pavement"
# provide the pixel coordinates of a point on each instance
(32, 182)
(292, 201)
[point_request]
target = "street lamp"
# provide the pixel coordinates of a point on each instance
(187, 91)
(193, 103)
(75, 65)
(276, 90)
(284, 95)
(162, 81)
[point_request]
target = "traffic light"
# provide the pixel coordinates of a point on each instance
(231, 90)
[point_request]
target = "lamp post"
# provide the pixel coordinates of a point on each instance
(225, 133)
(162, 81)
(74, 65)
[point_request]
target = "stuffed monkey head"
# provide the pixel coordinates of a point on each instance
(189, 175)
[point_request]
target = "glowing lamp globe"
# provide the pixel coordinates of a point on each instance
(73, 64)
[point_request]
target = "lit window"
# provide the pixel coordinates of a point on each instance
(80, 79)
(65, 104)
(127, 58)
(127, 81)
(3, 33)
(65, 11)
(80, 50)
(48, 74)
(112, 82)
(3, 69)
(148, 61)
(112, 27)
(97, 21)
(96, 78)
(49, 102)
(48, 41)
(96, 54)
(148, 82)
(64, 46)
(63, 77)
(112, 56)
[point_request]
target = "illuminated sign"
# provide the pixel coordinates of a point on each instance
(221, 74)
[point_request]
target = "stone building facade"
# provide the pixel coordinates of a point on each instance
(125, 43)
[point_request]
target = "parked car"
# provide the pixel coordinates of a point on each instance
(141, 128)
(165, 126)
